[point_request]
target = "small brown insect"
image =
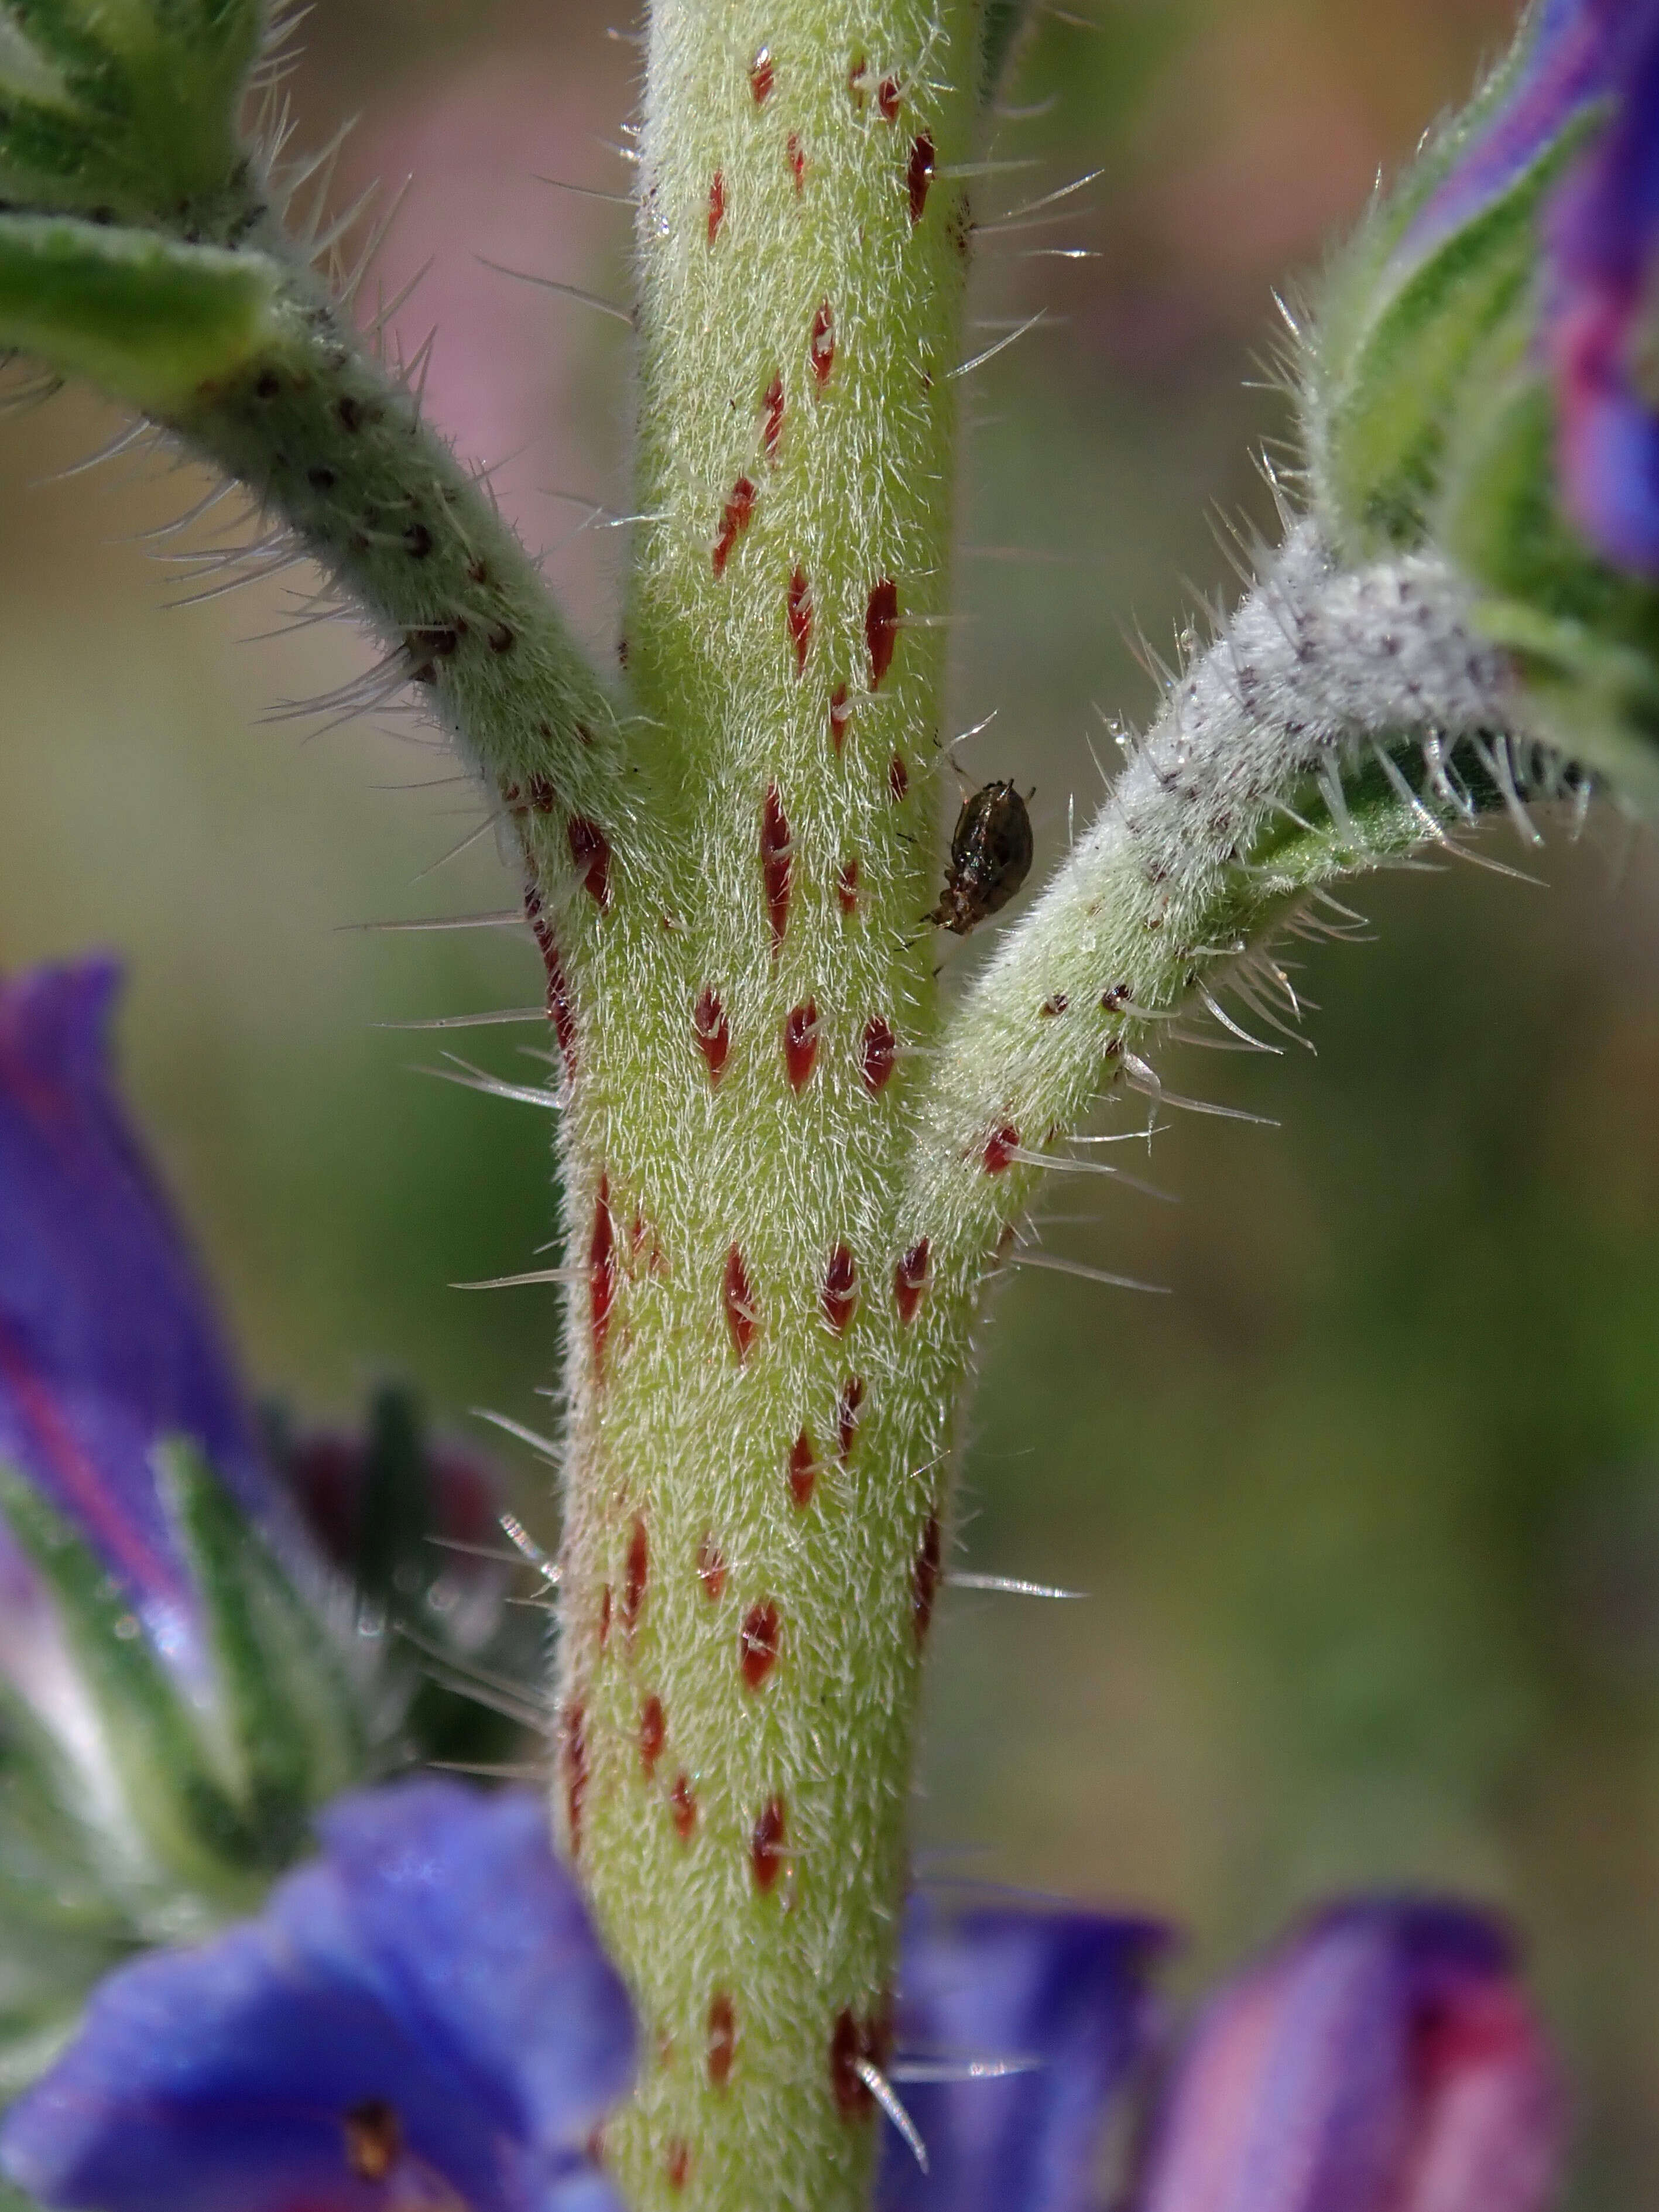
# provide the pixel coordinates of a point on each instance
(990, 858)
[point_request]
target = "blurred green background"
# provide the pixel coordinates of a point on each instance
(1370, 1509)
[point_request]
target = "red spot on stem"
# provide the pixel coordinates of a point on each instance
(910, 1280)
(846, 1416)
(757, 1643)
(766, 1846)
(654, 1732)
(604, 1616)
(711, 1031)
(776, 868)
(741, 1317)
(880, 1051)
(735, 518)
(898, 778)
(601, 1269)
(881, 629)
(711, 1569)
(558, 994)
(924, 1578)
(1000, 1147)
(800, 1044)
(803, 1468)
(840, 715)
(722, 2039)
(682, 1800)
(799, 611)
(847, 887)
(919, 173)
(841, 1289)
(888, 96)
(575, 1772)
(716, 205)
(591, 851)
(772, 421)
(762, 76)
(855, 75)
(821, 348)
(677, 2162)
(797, 159)
(638, 1564)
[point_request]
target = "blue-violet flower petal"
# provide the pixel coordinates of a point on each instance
(1061, 1997)
(421, 2017)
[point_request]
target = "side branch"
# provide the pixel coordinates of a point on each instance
(1314, 739)
(237, 349)
(337, 450)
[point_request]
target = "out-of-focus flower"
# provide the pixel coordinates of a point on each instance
(1589, 72)
(1434, 302)
(160, 1629)
(1480, 375)
(1601, 327)
(182, 1683)
(108, 1341)
(1016, 2030)
(412, 1521)
(421, 2018)
(1385, 2059)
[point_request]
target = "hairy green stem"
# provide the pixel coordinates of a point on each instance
(752, 1527)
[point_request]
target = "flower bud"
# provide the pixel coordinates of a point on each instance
(1479, 376)
(412, 1520)
(175, 1699)
(1383, 2060)
(108, 1339)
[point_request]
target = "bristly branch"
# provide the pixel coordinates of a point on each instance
(143, 244)
(1314, 739)
(336, 449)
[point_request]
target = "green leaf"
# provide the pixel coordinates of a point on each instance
(290, 1711)
(151, 321)
(178, 1805)
(55, 1870)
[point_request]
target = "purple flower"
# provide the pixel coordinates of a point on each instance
(1383, 2060)
(421, 2018)
(1603, 234)
(1060, 1998)
(107, 1337)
